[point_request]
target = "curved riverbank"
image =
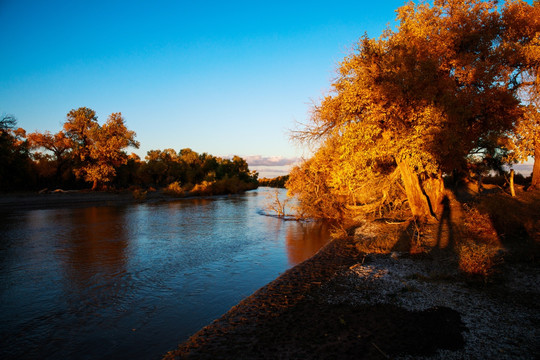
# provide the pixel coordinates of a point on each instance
(34, 201)
(82, 198)
(342, 303)
(234, 334)
(131, 282)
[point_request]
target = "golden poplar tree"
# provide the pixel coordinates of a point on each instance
(107, 152)
(98, 149)
(521, 41)
(410, 106)
(58, 144)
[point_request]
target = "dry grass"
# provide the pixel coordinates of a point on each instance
(516, 219)
(383, 237)
(495, 224)
(477, 235)
(478, 259)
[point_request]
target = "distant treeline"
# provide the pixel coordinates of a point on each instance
(277, 182)
(85, 153)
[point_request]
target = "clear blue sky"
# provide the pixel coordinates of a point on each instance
(224, 77)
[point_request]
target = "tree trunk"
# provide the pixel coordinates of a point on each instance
(535, 184)
(59, 171)
(479, 181)
(512, 189)
(94, 185)
(419, 199)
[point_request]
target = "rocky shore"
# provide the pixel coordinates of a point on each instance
(344, 304)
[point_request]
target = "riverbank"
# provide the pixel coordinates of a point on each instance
(82, 198)
(59, 199)
(347, 304)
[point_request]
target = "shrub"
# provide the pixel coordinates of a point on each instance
(478, 259)
(204, 188)
(174, 189)
(139, 194)
(277, 206)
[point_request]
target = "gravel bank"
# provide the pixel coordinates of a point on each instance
(344, 304)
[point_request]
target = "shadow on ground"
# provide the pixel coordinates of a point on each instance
(290, 318)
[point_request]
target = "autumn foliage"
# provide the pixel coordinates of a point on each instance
(87, 152)
(409, 107)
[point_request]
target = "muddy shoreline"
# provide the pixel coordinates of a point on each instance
(345, 304)
(231, 335)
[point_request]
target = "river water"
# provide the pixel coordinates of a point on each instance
(134, 281)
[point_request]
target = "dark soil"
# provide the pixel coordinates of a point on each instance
(289, 319)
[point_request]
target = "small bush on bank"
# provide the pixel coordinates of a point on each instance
(478, 225)
(232, 185)
(174, 189)
(139, 194)
(478, 259)
(204, 188)
(479, 249)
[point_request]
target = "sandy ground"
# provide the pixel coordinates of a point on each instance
(342, 304)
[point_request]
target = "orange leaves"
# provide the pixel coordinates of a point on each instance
(100, 149)
(526, 136)
(59, 144)
(428, 92)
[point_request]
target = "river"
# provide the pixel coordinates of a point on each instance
(115, 282)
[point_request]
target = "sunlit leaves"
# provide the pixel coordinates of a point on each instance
(426, 93)
(99, 149)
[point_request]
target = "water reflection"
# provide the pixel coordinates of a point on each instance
(132, 282)
(305, 240)
(94, 247)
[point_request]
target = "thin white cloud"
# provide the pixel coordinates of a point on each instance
(524, 169)
(258, 160)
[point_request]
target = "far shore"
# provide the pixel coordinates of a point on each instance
(81, 198)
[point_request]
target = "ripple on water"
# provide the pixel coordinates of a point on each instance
(133, 281)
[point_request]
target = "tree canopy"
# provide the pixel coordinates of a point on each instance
(411, 105)
(14, 161)
(99, 150)
(86, 151)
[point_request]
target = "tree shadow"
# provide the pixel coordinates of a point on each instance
(404, 242)
(419, 238)
(515, 221)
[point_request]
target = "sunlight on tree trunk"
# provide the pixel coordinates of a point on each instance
(434, 190)
(512, 189)
(535, 183)
(418, 201)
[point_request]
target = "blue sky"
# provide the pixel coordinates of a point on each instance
(224, 77)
